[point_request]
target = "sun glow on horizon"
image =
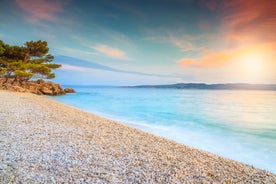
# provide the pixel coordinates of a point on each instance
(253, 62)
(255, 58)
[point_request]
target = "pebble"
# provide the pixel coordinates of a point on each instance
(43, 141)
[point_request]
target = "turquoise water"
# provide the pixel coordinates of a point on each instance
(239, 125)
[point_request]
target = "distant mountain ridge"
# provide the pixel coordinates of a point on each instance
(227, 86)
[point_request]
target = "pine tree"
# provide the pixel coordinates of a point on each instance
(25, 62)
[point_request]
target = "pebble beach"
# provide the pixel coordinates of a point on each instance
(44, 141)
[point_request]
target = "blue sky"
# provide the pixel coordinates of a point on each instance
(109, 42)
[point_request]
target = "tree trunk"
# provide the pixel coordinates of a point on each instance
(26, 58)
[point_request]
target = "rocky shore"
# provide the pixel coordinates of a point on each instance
(39, 87)
(43, 141)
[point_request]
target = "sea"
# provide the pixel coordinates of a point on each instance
(235, 124)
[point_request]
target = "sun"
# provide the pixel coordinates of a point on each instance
(253, 62)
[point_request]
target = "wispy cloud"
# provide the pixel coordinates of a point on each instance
(113, 38)
(110, 51)
(78, 65)
(225, 57)
(184, 42)
(37, 10)
(248, 29)
(67, 50)
(75, 68)
(254, 18)
(209, 60)
(246, 20)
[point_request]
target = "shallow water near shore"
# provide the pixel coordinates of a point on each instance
(240, 125)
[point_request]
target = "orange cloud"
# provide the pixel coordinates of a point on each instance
(235, 57)
(248, 29)
(209, 60)
(251, 18)
(111, 52)
(40, 9)
(246, 20)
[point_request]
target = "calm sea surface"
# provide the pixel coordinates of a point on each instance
(239, 125)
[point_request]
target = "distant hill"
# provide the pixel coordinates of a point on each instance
(231, 86)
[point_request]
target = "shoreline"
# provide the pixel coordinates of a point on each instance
(43, 140)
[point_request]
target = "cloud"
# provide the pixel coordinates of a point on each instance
(248, 30)
(73, 51)
(112, 36)
(38, 10)
(245, 20)
(74, 64)
(77, 75)
(75, 68)
(110, 52)
(253, 18)
(184, 42)
(209, 60)
(234, 57)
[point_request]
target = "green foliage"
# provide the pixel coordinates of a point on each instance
(51, 76)
(22, 74)
(2, 49)
(53, 66)
(36, 49)
(2, 71)
(29, 61)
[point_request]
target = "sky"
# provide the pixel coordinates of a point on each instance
(132, 42)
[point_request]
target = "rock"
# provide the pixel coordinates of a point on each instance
(19, 89)
(39, 87)
(50, 88)
(46, 91)
(40, 81)
(69, 90)
(34, 88)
